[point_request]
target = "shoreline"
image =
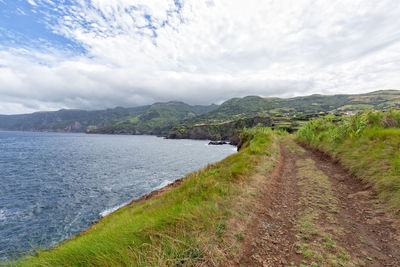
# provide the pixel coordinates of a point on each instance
(153, 193)
(150, 195)
(164, 136)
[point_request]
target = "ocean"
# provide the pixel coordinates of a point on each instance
(54, 185)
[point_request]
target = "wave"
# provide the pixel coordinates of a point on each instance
(112, 209)
(2, 215)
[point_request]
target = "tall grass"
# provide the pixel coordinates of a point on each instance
(368, 144)
(180, 227)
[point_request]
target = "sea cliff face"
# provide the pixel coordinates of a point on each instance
(229, 131)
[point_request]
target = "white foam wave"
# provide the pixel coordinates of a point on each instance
(2, 215)
(111, 210)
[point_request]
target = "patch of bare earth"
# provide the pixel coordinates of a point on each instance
(313, 213)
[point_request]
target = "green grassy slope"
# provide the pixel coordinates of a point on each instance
(368, 144)
(186, 226)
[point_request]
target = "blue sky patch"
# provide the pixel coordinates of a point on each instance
(24, 25)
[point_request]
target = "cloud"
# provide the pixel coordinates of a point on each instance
(139, 52)
(32, 2)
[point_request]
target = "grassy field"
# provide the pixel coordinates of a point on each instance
(367, 144)
(186, 226)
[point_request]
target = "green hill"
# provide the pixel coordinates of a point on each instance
(160, 118)
(150, 117)
(255, 106)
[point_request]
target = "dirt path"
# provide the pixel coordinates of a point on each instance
(313, 213)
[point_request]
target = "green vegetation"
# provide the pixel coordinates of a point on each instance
(204, 220)
(219, 131)
(367, 144)
(160, 118)
(251, 106)
(185, 226)
(147, 119)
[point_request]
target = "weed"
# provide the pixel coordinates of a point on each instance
(239, 236)
(329, 241)
(221, 228)
(308, 253)
(343, 256)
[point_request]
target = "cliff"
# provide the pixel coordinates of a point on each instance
(221, 131)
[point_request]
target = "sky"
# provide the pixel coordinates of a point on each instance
(96, 54)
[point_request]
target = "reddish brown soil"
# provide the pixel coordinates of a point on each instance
(270, 238)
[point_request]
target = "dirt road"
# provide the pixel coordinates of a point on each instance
(313, 213)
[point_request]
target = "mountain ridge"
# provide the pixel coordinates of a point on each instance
(161, 117)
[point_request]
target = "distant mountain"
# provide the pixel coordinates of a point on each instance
(160, 118)
(159, 115)
(251, 106)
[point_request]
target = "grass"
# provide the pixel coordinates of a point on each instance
(367, 144)
(185, 226)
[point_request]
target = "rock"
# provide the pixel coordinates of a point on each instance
(217, 143)
(234, 140)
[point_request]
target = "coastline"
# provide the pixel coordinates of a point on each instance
(177, 223)
(234, 140)
(154, 193)
(165, 182)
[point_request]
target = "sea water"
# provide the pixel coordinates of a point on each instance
(54, 185)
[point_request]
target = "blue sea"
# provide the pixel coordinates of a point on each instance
(54, 185)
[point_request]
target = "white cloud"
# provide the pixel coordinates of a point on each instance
(142, 51)
(32, 2)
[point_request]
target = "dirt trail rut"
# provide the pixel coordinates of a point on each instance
(313, 213)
